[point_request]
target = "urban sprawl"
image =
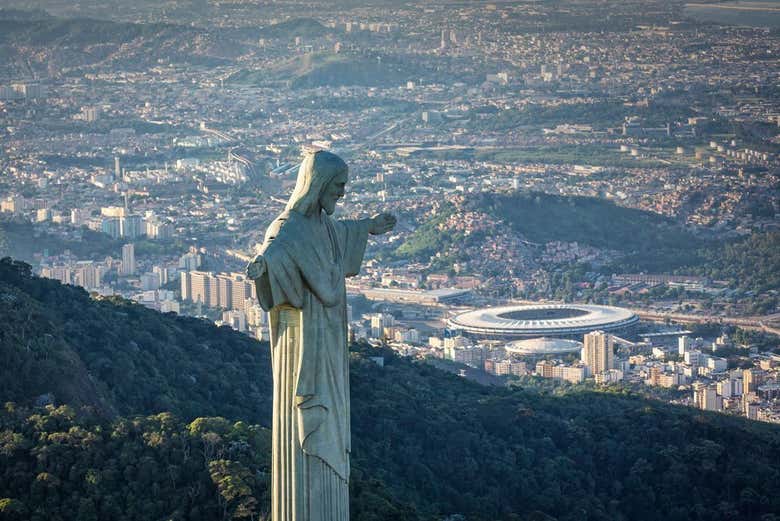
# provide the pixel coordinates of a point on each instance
(152, 174)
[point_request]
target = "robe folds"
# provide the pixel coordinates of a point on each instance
(304, 261)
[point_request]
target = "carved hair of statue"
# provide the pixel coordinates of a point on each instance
(316, 171)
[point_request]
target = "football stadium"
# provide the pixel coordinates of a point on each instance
(543, 320)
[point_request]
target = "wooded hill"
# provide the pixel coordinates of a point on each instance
(642, 241)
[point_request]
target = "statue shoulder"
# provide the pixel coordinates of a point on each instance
(287, 228)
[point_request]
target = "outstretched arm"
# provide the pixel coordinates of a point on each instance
(381, 223)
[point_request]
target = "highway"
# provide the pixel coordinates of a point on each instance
(761, 322)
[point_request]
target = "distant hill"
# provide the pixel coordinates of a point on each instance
(543, 217)
(636, 240)
(645, 240)
(59, 46)
(597, 222)
(81, 31)
(177, 413)
(22, 14)
(20, 239)
(335, 70)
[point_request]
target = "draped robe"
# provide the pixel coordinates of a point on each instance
(304, 260)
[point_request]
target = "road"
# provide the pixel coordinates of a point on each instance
(762, 322)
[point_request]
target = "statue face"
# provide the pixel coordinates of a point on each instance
(334, 191)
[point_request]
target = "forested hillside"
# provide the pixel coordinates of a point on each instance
(120, 357)
(641, 241)
(542, 218)
(163, 417)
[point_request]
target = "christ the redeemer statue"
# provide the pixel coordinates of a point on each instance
(299, 276)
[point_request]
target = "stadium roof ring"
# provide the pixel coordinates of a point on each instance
(548, 320)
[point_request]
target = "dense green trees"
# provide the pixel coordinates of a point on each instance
(604, 114)
(544, 217)
(453, 446)
(752, 264)
(122, 358)
(60, 464)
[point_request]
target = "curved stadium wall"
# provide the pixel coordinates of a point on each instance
(543, 320)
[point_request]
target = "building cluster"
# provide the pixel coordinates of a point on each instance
(753, 393)
(231, 292)
(115, 221)
(23, 91)
(143, 282)
(87, 274)
(713, 383)
(692, 369)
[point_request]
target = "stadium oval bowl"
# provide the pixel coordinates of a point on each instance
(542, 320)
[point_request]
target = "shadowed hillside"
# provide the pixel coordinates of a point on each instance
(118, 356)
(638, 240)
(334, 70)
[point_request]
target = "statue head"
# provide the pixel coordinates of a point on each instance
(320, 184)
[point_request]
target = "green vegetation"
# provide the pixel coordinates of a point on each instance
(23, 241)
(428, 239)
(755, 17)
(544, 217)
(147, 246)
(106, 124)
(551, 155)
(568, 155)
(577, 455)
(83, 31)
(58, 463)
(132, 436)
(645, 238)
(85, 42)
(601, 114)
(136, 360)
(335, 70)
(643, 242)
(24, 14)
(752, 264)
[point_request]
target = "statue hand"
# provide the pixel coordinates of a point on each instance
(256, 268)
(381, 223)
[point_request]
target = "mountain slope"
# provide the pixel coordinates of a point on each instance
(120, 357)
(453, 446)
(334, 70)
(61, 46)
(542, 218)
(636, 240)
